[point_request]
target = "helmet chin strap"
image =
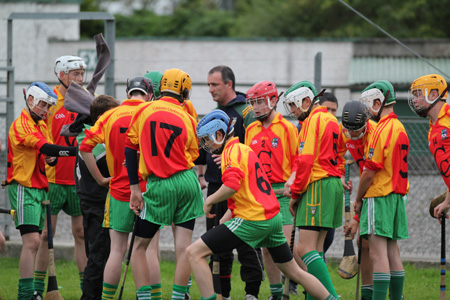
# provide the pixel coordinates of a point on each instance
(378, 116)
(304, 115)
(63, 83)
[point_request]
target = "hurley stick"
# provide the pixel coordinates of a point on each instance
(359, 268)
(348, 266)
(11, 212)
(127, 263)
(52, 285)
(291, 246)
(443, 260)
(216, 264)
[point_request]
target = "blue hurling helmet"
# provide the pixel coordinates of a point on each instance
(208, 126)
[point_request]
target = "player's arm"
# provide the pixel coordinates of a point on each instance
(136, 199)
(364, 183)
(222, 194)
(91, 164)
(441, 208)
(57, 150)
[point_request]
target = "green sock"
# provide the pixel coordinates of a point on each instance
(108, 291)
(276, 290)
(156, 291)
(81, 279)
(189, 283)
(380, 285)
(320, 254)
(178, 292)
(26, 288)
(331, 297)
(317, 267)
(396, 284)
(367, 291)
(213, 297)
(39, 281)
(144, 293)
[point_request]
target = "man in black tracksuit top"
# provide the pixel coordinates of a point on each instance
(221, 82)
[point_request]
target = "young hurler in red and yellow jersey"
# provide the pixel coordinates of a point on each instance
(317, 188)
(274, 140)
(384, 187)
(253, 207)
(30, 149)
(62, 192)
(357, 130)
(427, 98)
(166, 137)
(110, 129)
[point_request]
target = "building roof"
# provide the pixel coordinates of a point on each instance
(397, 70)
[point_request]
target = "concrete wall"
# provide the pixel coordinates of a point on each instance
(282, 62)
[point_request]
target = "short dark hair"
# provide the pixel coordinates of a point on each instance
(227, 74)
(101, 104)
(328, 97)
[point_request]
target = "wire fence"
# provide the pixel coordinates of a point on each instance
(425, 184)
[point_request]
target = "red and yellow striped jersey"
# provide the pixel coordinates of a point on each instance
(189, 108)
(318, 151)
(439, 142)
(357, 148)
(110, 129)
(25, 163)
(276, 147)
(387, 155)
(242, 171)
(166, 137)
(63, 172)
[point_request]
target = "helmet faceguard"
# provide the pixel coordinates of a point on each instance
(354, 119)
(259, 97)
(177, 82)
(216, 120)
(385, 94)
(68, 63)
(142, 84)
(44, 100)
(420, 92)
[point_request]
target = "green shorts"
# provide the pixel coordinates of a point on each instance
(27, 202)
(321, 205)
(385, 216)
(118, 215)
(288, 219)
(65, 198)
(268, 233)
(176, 199)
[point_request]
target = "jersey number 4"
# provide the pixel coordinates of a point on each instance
(176, 131)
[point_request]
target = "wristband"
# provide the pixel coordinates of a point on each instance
(356, 218)
(201, 175)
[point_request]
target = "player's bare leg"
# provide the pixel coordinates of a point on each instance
(30, 245)
(78, 236)
(183, 238)
(113, 267)
(139, 264)
(154, 259)
(366, 269)
(42, 253)
(196, 254)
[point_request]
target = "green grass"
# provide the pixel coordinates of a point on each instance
(421, 283)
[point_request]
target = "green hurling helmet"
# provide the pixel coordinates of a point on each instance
(300, 84)
(384, 87)
(155, 77)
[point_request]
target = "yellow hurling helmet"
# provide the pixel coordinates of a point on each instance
(177, 82)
